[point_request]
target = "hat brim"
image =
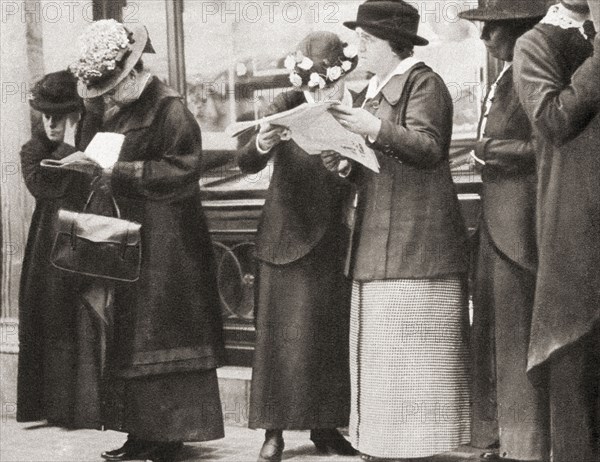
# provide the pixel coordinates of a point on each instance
(415, 39)
(137, 48)
(56, 108)
(494, 14)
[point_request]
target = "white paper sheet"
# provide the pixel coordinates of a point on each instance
(315, 130)
(105, 148)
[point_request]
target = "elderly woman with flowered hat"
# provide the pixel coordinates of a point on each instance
(160, 372)
(300, 377)
(409, 356)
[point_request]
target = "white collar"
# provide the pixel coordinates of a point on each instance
(507, 66)
(347, 99)
(560, 16)
(375, 86)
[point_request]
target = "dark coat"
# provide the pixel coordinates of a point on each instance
(409, 223)
(302, 199)
(300, 376)
(505, 281)
(509, 180)
(557, 81)
(47, 302)
(170, 319)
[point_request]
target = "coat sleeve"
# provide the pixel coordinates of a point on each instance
(179, 163)
(423, 140)
(558, 111)
(509, 156)
(249, 159)
(41, 182)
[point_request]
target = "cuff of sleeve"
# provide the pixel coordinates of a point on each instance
(481, 148)
(344, 168)
(383, 142)
(259, 149)
(132, 171)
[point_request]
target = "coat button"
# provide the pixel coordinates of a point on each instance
(375, 104)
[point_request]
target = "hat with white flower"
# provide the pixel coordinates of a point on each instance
(320, 60)
(109, 52)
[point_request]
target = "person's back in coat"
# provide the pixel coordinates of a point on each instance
(557, 80)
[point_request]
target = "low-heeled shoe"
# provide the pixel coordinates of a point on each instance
(272, 450)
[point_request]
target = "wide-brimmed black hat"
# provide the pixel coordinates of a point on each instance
(393, 20)
(503, 10)
(139, 43)
(56, 94)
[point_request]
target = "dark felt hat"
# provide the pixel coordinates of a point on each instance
(56, 94)
(139, 43)
(393, 20)
(503, 10)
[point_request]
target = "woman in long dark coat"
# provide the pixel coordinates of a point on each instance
(56, 378)
(160, 380)
(300, 377)
(557, 65)
(507, 258)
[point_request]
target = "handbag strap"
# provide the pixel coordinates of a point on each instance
(93, 191)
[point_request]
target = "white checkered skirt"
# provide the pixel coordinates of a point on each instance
(409, 365)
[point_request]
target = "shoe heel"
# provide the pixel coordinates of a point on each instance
(321, 446)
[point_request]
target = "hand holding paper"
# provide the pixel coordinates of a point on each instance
(76, 162)
(315, 130)
(105, 148)
(357, 120)
(271, 135)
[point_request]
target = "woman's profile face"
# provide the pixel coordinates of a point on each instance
(54, 126)
(125, 92)
(375, 54)
(499, 39)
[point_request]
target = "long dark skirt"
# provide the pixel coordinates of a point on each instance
(68, 365)
(503, 305)
(182, 406)
(301, 378)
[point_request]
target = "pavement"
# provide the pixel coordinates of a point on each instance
(40, 443)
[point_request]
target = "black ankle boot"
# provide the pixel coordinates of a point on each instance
(330, 440)
(165, 452)
(133, 449)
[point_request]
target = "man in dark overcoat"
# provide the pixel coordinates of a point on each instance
(557, 70)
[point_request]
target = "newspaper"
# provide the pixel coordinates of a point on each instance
(315, 130)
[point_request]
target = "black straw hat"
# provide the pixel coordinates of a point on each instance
(393, 20)
(56, 94)
(503, 10)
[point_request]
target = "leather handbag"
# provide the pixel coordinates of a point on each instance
(98, 246)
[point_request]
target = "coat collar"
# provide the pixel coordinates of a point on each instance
(141, 113)
(392, 91)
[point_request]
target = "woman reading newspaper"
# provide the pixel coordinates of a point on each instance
(409, 354)
(300, 378)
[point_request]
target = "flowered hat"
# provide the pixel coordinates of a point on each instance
(109, 51)
(56, 94)
(321, 59)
